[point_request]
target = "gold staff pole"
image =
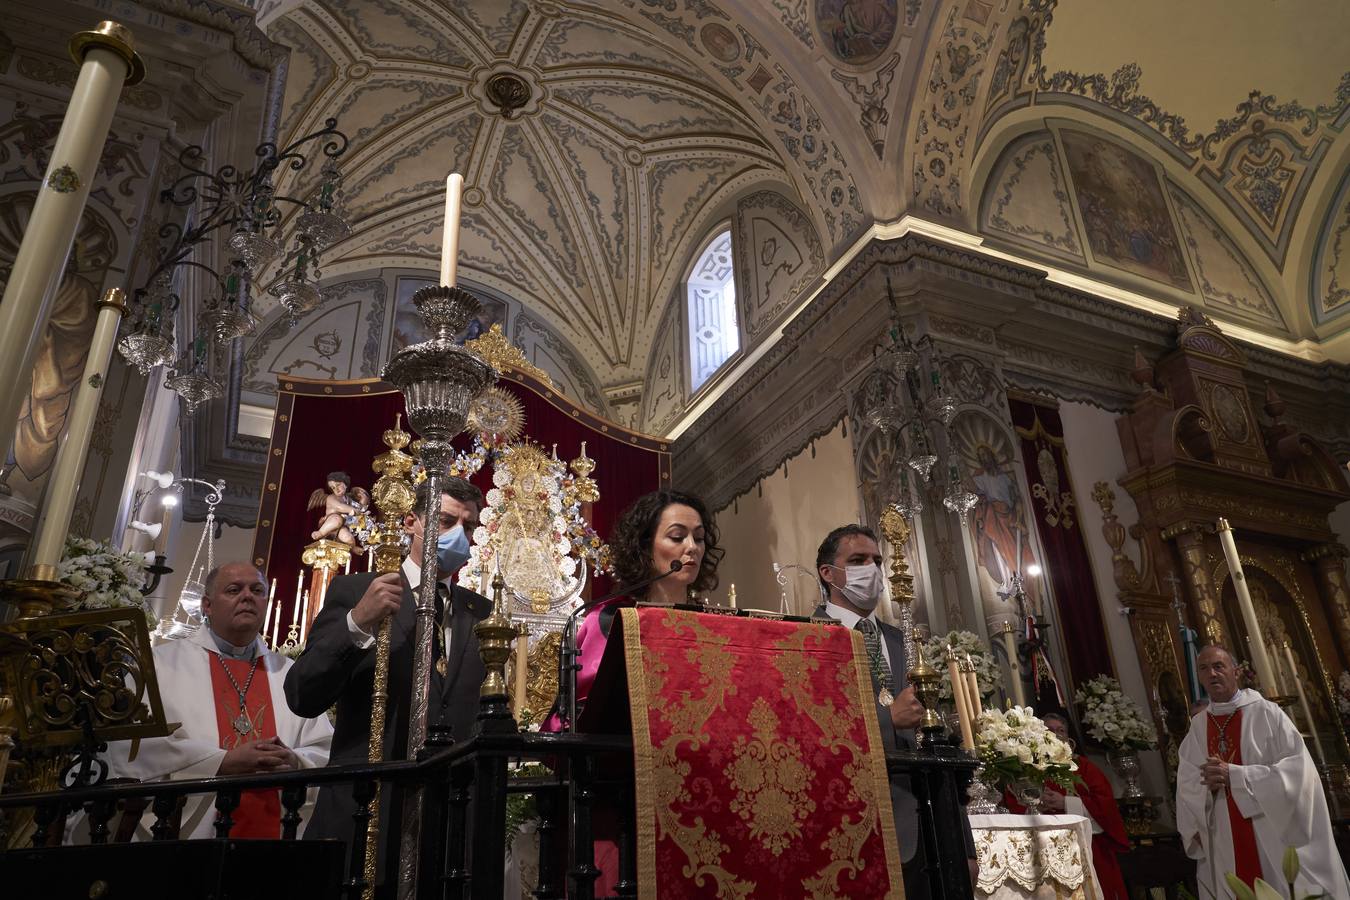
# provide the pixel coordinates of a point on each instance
(394, 498)
(49, 537)
(107, 61)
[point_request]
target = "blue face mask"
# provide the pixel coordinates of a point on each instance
(452, 550)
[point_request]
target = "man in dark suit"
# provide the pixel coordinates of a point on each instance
(338, 664)
(848, 564)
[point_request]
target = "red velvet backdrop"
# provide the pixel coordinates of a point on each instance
(1055, 509)
(322, 426)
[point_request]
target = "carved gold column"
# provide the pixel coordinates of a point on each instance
(1190, 540)
(1328, 559)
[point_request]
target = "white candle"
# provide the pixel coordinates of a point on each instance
(299, 592)
(166, 525)
(1303, 704)
(271, 596)
(454, 189)
(348, 569)
(370, 559)
(304, 618)
(1265, 673)
(960, 702)
(276, 628)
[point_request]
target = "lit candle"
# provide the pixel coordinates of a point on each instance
(959, 700)
(1265, 673)
(304, 618)
(1303, 703)
(271, 597)
(299, 592)
(276, 628)
(166, 525)
(454, 188)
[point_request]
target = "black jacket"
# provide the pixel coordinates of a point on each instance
(333, 670)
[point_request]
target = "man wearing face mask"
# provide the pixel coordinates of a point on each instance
(338, 664)
(848, 564)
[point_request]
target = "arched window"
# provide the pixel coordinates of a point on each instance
(713, 337)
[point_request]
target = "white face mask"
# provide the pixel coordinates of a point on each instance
(863, 587)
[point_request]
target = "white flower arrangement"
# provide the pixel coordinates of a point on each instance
(987, 674)
(1015, 746)
(106, 577)
(1113, 719)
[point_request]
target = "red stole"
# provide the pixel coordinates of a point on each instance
(259, 812)
(1245, 851)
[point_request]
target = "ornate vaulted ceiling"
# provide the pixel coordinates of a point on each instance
(625, 131)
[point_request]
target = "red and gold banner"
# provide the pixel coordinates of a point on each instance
(758, 760)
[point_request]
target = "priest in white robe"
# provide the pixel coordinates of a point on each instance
(1247, 789)
(226, 688)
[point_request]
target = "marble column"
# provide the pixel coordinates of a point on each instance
(1329, 562)
(1204, 595)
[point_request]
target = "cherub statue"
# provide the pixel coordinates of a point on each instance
(336, 506)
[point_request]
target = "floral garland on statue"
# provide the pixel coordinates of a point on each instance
(1015, 746)
(106, 577)
(987, 674)
(1114, 720)
(532, 527)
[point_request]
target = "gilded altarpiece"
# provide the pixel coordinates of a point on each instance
(1196, 450)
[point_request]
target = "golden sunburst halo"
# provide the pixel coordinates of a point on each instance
(497, 412)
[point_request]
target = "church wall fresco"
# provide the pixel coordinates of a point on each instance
(1123, 210)
(779, 256)
(1330, 278)
(1027, 201)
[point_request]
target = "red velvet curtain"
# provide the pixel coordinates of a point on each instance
(1055, 509)
(323, 426)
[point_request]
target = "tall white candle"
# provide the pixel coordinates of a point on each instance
(299, 592)
(348, 569)
(1265, 672)
(304, 617)
(271, 598)
(1303, 704)
(454, 189)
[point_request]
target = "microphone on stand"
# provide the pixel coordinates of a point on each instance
(567, 657)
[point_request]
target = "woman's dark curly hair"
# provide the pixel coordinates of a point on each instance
(631, 542)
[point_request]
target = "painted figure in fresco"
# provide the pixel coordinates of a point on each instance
(336, 506)
(1001, 536)
(858, 29)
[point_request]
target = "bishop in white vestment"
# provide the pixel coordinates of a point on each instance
(1247, 788)
(226, 689)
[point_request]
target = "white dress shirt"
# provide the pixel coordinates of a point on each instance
(413, 572)
(849, 619)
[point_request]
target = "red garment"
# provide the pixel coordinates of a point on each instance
(259, 812)
(1100, 802)
(1245, 851)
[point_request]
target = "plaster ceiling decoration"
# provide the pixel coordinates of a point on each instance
(595, 156)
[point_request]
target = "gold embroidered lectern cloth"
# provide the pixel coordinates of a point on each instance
(1034, 856)
(758, 760)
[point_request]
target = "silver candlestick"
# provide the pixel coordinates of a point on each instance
(438, 380)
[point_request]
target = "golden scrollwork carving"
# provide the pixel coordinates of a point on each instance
(493, 348)
(1203, 594)
(326, 554)
(772, 783)
(1123, 570)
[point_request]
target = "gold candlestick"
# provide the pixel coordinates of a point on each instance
(926, 681)
(495, 635)
(394, 497)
